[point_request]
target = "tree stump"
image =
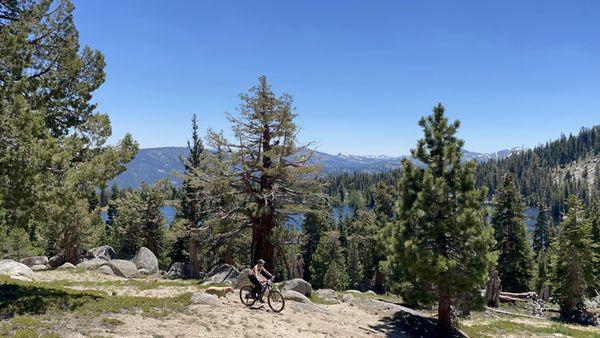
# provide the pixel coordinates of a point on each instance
(492, 290)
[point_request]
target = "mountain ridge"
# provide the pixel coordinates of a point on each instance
(153, 164)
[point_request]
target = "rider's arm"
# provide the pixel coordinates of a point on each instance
(267, 272)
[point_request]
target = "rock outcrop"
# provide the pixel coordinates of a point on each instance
(56, 261)
(204, 299)
(295, 296)
(93, 263)
(105, 252)
(327, 294)
(35, 260)
(298, 285)
(181, 270)
(106, 270)
(40, 268)
(145, 259)
(222, 274)
(16, 270)
(123, 268)
(242, 278)
(66, 266)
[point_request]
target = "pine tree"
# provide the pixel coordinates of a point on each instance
(542, 269)
(328, 267)
(103, 197)
(314, 226)
(192, 208)
(139, 221)
(593, 215)
(442, 244)
(541, 232)
(355, 269)
(574, 261)
(48, 122)
(515, 263)
(265, 170)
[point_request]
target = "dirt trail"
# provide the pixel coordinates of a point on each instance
(232, 319)
(229, 318)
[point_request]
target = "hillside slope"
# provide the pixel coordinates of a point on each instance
(152, 164)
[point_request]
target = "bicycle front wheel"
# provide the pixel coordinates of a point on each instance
(276, 301)
(247, 296)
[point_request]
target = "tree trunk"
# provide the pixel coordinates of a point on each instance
(493, 289)
(287, 266)
(262, 248)
(193, 250)
(444, 315)
(379, 282)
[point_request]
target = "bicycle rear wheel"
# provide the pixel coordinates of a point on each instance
(276, 301)
(247, 296)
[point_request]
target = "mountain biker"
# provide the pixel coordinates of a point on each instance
(257, 279)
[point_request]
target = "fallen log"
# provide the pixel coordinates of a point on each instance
(524, 295)
(507, 299)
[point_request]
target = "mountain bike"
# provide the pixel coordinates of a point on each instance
(274, 297)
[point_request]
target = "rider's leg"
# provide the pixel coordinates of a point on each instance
(257, 286)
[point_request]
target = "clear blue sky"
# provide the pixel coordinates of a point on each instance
(361, 72)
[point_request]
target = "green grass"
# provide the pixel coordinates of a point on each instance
(318, 300)
(37, 307)
(506, 327)
(111, 321)
(140, 284)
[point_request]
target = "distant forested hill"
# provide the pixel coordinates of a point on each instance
(152, 164)
(547, 174)
(550, 172)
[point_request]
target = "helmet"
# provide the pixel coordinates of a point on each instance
(261, 261)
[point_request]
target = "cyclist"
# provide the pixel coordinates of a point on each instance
(257, 279)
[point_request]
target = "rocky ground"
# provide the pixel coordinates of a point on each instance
(88, 303)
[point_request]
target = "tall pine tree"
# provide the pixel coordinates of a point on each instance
(515, 261)
(265, 168)
(573, 274)
(328, 267)
(541, 232)
(442, 243)
(192, 208)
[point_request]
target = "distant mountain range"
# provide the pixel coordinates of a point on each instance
(153, 164)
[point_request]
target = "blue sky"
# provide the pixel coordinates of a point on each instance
(516, 73)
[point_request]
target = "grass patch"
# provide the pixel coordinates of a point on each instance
(506, 327)
(318, 300)
(36, 307)
(111, 321)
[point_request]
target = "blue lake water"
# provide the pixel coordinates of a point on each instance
(296, 221)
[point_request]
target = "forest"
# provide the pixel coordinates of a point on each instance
(432, 232)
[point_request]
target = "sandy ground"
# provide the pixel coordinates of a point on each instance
(229, 318)
(232, 319)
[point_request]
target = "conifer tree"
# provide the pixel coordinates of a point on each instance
(314, 226)
(356, 273)
(139, 221)
(593, 214)
(541, 232)
(573, 264)
(515, 261)
(53, 140)
(264, 170)
(442, 243)
(328, 267)
(542, 269)
(192, 208)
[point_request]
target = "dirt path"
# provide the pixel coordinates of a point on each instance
(235, 320)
